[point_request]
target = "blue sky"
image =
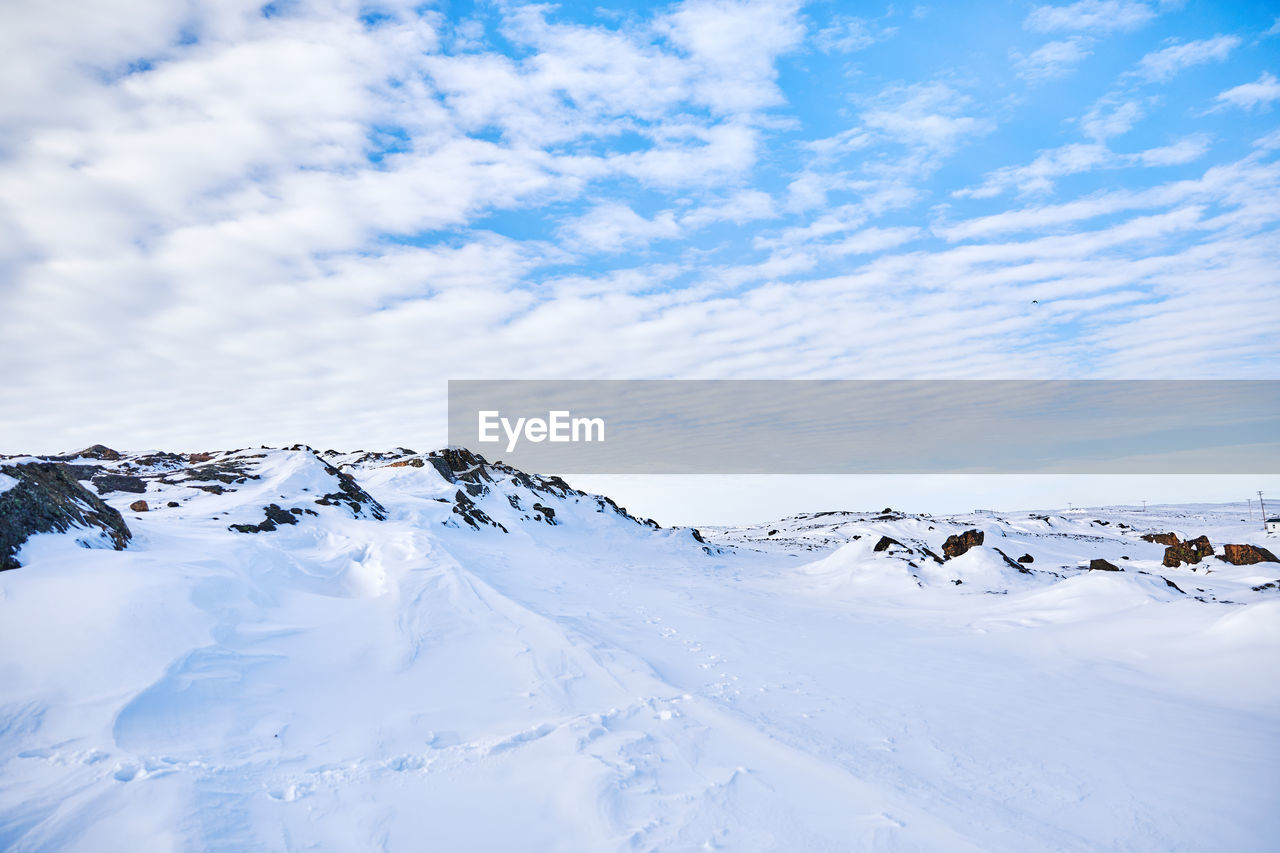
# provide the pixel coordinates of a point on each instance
(227, 223)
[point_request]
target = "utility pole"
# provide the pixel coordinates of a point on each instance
(1144, 506)
(1262, 507)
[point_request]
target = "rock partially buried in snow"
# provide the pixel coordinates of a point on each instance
(1247, 555)
(105, 483)
(960, 543)
(1161, 538)
(49, 499)
(139, 506)
(1100, 565)
(1192, 551)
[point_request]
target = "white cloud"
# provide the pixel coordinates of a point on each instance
(1096, 15)
(743, 206)
(846, 34)
(1039, 175)
(929, 116)
(1163, 64)
(1248, 96)
(1183, 151)
(611, 227)
(1107, 119)
(734, 44)
(1054, 59)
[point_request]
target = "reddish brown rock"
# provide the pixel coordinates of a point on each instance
(1192, 551)
(139, 506)
(1161, 538)
(1247, 555)
(199, 457)
(960, 543)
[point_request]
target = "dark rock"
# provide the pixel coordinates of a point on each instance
(227, 472)
(1026, 558)
(772, 533)
(466, 509)
(275, 516)
(172, 504)
(1100, 565)
(1011, 563)
(1165, 539)
(1172, 584)
(1247, 555)
(350, 493)
(697, 535)
(1192, 551)
(49, 499)
(958, 544)
(99, 451)
(885, 542)
(119, 483)
(139, 506)
(548, 514)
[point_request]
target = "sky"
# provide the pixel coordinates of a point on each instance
(227, 223)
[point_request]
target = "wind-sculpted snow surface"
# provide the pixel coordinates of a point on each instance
(440, 653)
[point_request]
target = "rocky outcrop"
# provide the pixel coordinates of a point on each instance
(105, 483)
(1191, 552)
(1011, 563)
(99, 451)
(275, 516)
(140, 506)
(885, 543)
(1026, 558)
(466, 509)
(960, 543)
(1165, 539)
(1247, 555)
(349, 493)
(1100, 565)
(49, 499)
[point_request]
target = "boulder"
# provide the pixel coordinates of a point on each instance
(960, 543)
(49, 499)
(1247, 555)
(1100, 565)
(1192, 551)
(139, 506)
(1026, 558)
(1165, 539)
(885, 542)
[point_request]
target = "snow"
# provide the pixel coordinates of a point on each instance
(7, 483)
(346, 683)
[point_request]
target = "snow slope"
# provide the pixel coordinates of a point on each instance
(473, 673)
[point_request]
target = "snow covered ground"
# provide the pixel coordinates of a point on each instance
(466, 675)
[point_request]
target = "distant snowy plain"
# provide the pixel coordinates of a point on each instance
(596, 684)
